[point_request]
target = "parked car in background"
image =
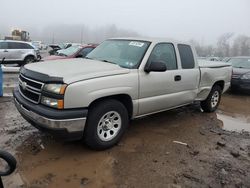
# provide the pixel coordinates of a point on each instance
(17, 52)
(56, 47)
(94, 98)
(39, 45)
(201, 58)
(213, 58)
(226, 59)
(209, 58)
(72, 52)
(241, 73)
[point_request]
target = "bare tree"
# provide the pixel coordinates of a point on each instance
(241, 46)
(203, 50)
(223, 45)
(80, 33)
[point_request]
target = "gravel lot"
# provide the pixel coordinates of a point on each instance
(147, 156)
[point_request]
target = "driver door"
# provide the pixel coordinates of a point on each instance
(162, 90)
(4, 51)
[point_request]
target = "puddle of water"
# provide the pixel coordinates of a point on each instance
(234, 122)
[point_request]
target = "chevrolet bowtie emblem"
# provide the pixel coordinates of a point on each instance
(24, 85)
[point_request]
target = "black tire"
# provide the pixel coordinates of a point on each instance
(21, 64)
(96, 113)
(10, 160)
(207, 105)
(39, 58)
(29, 59)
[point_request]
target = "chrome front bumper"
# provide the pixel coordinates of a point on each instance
(71, 125)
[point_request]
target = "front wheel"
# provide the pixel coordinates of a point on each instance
(38, 58)
(106, 123)
(213, 100)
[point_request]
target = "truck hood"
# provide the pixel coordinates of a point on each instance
(73, 70)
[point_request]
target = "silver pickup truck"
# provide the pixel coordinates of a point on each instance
(124, 78)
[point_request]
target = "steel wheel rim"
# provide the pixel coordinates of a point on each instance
(109, 126)
(215, 99)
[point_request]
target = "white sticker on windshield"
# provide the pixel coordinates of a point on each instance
(138, 44)
(248, 60)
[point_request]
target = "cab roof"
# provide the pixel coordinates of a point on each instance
(149, 39)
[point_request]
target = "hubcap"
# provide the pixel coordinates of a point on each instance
(109, 126)
(215, 99)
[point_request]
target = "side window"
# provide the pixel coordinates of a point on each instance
(187, 57)
(17, 45)
(26, 46)
(85, 51)
(3, 45)
(164, 52)
(14, 45)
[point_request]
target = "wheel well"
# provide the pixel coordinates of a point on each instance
(123, 98)
(29, 56)
(220, 83)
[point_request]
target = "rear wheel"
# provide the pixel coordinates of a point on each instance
(106, 123)
(213, 100)
(29, 59)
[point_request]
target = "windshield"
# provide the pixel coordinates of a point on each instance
(36, 44)
(125, 53)
(62, 46)
(240, 62)
(68, 51)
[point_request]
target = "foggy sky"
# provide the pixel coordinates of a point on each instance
(202, 20)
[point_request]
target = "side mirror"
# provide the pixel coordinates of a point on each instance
(155, 67)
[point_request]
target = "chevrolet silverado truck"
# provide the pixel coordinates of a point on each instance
(95, 98)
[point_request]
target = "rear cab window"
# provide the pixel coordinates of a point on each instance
(186, 55)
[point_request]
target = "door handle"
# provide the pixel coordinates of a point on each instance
(177, 78)
(5, 51)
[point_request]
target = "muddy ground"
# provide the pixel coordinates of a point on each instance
(147, 156)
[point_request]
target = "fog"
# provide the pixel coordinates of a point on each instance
(95, 20)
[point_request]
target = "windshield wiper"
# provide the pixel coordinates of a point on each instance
(107, 61)
(103, 60)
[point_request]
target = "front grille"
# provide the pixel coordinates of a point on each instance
(30, 89)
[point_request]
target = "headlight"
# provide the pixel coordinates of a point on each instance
(55, 88)
(246, 76)
(54, 103)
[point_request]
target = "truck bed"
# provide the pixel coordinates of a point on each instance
(212, 64)
(211, 72)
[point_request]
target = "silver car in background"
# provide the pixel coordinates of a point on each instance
(17, 52)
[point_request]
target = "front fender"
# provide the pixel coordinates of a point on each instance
(82, 94)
